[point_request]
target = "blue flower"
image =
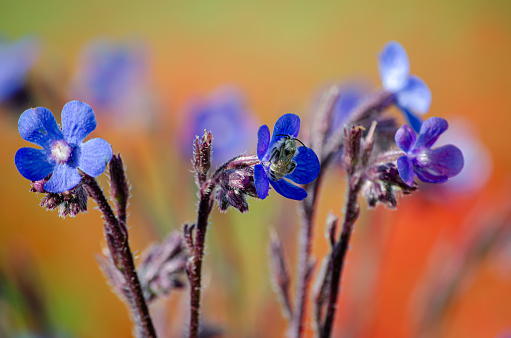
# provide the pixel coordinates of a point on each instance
(63, 152)
(224, 112)
(281, 159)
(114, 77)
(430, 165)
(16, 59)
(411, 93)
(350, 96)
(477, 157)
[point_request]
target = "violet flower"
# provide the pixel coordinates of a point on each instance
(281, 160)
(430, 165)
(114, 77)
(412, 95)
(63, 152)
(225, 114)
(350, 96)
(16, 59)
(477, 157)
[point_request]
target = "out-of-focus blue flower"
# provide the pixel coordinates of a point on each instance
(430, 165)
(225, 114)
(477, 157)
(411, 93)
(114, 78)
(63, 152)
(350, 96)
(281, 159)
(16, 59)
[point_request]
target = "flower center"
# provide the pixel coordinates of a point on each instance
(281, 159)
(61, 151)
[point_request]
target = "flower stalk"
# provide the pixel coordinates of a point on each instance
(116, 234)
(197, 253)
(332, 144)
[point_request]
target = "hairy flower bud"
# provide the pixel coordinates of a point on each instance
(202, 156)
(382, 184)
(351, 156)
(67, 203)
(162, 267)
(119, 186)
(236, 182)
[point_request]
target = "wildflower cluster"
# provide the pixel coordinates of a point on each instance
(350, 130)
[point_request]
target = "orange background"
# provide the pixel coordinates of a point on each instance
(280, 55)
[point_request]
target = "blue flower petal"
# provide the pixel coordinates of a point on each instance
(288, 190)
(64, 178)
(33, 164)
(414, 96)
(38, 125)
(94, 156)
(413, 120)
(307, 166)
(444, 161)
(261, 181)
(428, 177)
(405, 138)
(263, 140)
(78, 121)
(405, 170)
(287, 124)
(431, 129)
(393, 66)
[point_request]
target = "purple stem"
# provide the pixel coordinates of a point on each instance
(195, 265)
(304, 266)
(123, 258)
(338, 256)
(368, 110)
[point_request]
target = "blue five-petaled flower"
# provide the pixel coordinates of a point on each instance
(412, 95)
(304, 170)
(63, 152)
(430, 165)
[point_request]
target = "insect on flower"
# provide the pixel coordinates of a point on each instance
(281, 160)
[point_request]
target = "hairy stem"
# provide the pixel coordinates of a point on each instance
(304, 266)
(330, 145)
(195, 265)
(338, 255)
(123, 258)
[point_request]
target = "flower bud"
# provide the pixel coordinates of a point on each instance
(202, 156)
(67, 203)
(236, 182)
(382, 184)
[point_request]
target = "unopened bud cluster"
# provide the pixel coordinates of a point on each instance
(382, 184)
(67, 203)
(236, 182)
(162, 267)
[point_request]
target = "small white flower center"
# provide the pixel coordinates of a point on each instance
(61, 151)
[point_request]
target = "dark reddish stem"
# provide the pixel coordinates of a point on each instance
(195, 265)
(304, 262)
(123, 258)
(329, 147)
(338, 256)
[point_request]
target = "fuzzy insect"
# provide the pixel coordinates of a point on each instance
(281, 159)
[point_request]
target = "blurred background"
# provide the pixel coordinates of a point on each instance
(159, 72)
